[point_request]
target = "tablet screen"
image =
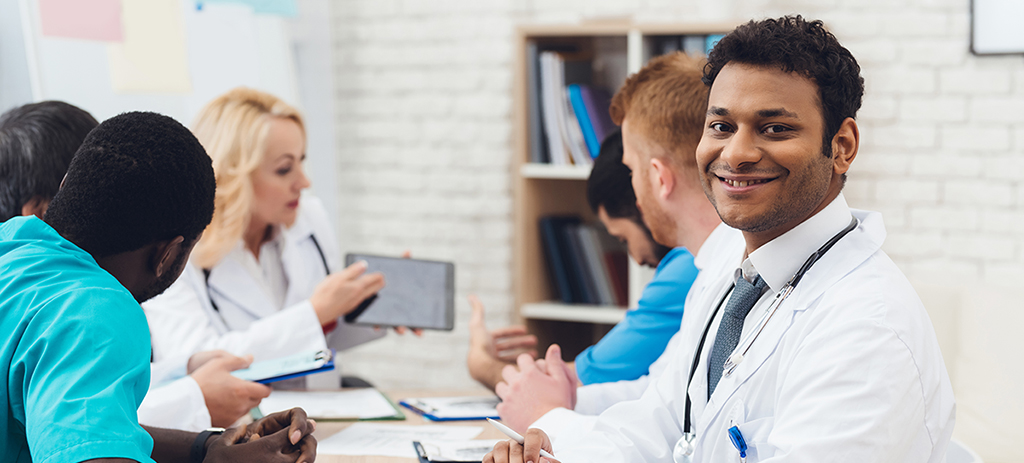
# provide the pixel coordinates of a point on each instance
(418, 294)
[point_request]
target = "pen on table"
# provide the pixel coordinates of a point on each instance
(737, 441)
(515, 436)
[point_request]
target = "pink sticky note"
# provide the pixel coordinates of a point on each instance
(82, 19)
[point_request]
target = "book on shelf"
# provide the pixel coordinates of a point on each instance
(565, 114)
(586, 265)
(553, 248)
(538, 148)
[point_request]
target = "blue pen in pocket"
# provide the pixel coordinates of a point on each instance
(737, 441)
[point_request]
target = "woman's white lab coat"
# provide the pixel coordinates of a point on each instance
(230, 310)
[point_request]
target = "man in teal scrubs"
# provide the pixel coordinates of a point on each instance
(74, 343)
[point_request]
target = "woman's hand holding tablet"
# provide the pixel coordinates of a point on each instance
(419, 294)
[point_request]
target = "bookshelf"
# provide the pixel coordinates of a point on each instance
(613, 50)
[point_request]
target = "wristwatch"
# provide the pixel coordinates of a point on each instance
(198, 452)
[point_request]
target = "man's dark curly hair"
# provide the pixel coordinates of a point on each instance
(138, 178)
(794, 44)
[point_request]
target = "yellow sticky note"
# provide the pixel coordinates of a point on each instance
(152, 57)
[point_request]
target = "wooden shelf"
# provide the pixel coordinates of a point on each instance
(615, 47)
(554, 172)
(608, 315)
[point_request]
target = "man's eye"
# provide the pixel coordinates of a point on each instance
(719, 127)
(773, 129)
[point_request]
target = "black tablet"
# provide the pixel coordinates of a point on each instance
(418, 294)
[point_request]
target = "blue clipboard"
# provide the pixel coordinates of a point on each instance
(434, 414)
(295, 366)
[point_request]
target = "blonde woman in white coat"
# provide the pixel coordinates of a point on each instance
(265, 278)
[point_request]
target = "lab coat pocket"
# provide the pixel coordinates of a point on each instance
(755, 433)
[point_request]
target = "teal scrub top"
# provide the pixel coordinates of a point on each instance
(629, 349)
(74, 352)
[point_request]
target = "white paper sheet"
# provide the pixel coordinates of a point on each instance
(457, 407)
(354, 404)
(390, 440)
(460, 450)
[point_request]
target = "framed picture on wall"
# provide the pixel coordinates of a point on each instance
(996, 27)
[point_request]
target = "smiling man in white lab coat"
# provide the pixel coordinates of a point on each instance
(833, 357)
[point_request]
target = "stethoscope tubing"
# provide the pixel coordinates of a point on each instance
(784, 293)
(210, 290)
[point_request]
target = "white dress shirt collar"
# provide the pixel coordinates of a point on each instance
(779, 259)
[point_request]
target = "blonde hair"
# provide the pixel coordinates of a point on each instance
(233, 128)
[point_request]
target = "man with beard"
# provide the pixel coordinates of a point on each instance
(813, 346)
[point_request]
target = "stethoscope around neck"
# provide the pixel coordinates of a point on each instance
(209, 290)
(682, 452)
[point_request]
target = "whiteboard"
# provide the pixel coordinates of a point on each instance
(226, 45)
(996, 27)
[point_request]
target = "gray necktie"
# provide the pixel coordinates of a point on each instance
(744, 296)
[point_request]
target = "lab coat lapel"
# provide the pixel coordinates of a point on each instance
(698, 389)
(845, 256)
(763, 348)
(301, 261)
(245, 298)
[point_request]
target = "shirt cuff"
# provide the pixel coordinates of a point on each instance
(562, 425)
(101, 449)
(178, 405)
(310, 333)
(168, 370)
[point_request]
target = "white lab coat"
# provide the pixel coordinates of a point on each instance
(183, 320)
(848, 370)
(722, 247)
(174, 400)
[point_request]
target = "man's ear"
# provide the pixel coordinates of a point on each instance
(844, 146)
(35, 206)
(165, 253)
(665, 180)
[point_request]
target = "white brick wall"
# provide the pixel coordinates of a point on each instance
(424, 127)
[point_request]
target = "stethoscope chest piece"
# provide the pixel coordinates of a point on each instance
(683, 450)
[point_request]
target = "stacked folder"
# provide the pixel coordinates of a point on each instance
(567, 122)
(586, 264)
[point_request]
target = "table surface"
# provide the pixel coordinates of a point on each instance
(325, 429)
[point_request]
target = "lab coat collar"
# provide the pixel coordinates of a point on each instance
(847, 254)
(232, 280)
(777, 260)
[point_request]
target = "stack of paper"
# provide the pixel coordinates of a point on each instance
(391, 440)
(359, 404)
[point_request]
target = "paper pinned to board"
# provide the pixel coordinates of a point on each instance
(390, 440)
(152, 57)
(276, 7)
(458, 450)
(81, 19)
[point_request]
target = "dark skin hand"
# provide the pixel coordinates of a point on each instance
(283, 437)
